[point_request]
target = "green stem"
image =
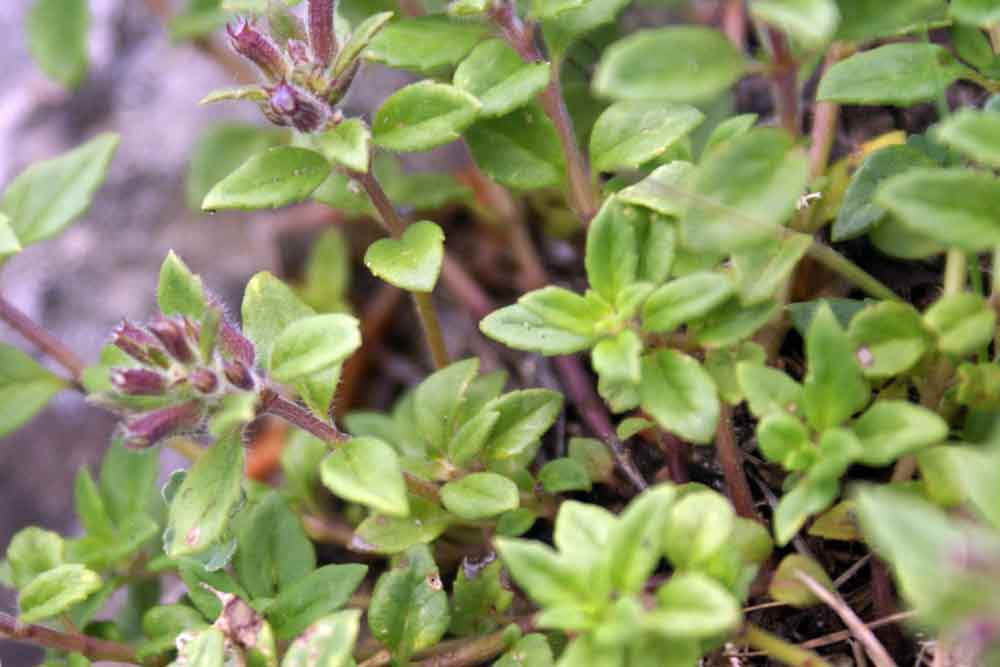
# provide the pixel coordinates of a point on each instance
(975, 274)
(834, 261)
(396, 226)
(781, 650)
(54, 348)
(954, 272)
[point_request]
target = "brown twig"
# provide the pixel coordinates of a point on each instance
(784, 82)
(861, 632)
(825, 117)
(91, 647)
(730, 457)
(457, 652)
(734, 22)
(38, 336)
(583, 195)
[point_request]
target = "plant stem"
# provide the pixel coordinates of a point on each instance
(94, 649)
(731, 459)
(581, 392)
(734, 22)
(273, 403)
(395, 225)
(458, 652)
(54, 348)
(825, 117)
(833, 260)
(781, 650)
(583, 196)
(784, 82)
(954, 272)
(861, 632)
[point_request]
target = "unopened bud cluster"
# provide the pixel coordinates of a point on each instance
(303, 78)
(190, 365)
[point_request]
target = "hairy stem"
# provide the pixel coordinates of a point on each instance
(53, 348)
(781, 650)
(731, 459)
(272, 403)
(583, 196)
(581, 392)
(395, 225)
(91, 647)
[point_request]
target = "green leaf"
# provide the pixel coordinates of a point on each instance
(253, 93)
(594, 456)
(269, 306)
(360, 39)
(955, 207)
(695, 606)
(963, 323)
(54, 591)
(568, 26)
(25, 388)
(837, 523)
(744, 189)
(685, 299)
(768, 390)
(616, 361)
(894, 74)
(313, 344)
(678, 393)
(423, 115)
(220, 150)
(328, 272)
(329, 642)
(128, 480)
(834, 388)
(524, 416)
(206, 649)
(760, 271)
(495, 74)
(546, 577)
(700, 524)
(566, 310)
(480, 495)
(411, 262)
(547, 9)
(57, 39)
(732, 323)
(367, 471)
(722, 364)
(409, 608)
(273, 551)
(312, 597)
(983, 13)
(277, 177)
(859, 213)
(531, 650)
(810, 22)
(709, 66)
(629, 134)
(438, 401)
(391, 535)
(477, 593)
(31, 552)
(729, 129)
(347, 145)
(521, 329)
(786, 586)
(613, 251)
(636, 541)
(47, 196)
(425, 44)
(179, 291)
(889, 338)
(162, 623)
(974, 133)
(9, 245)
(862, 20)
(519, 150)
(581, 534)
(200, 512)
(516, 522)
(802, 313)
(90, 507)
(658, 191)
(785, 440)
(891, 429)
(806, 498)
(563, 475)
(195, 577)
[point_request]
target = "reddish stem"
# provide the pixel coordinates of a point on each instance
(91, 647)
(825, 117)
(54, 348)
(730, 457)
(784, 82)
(275, 404)
(734, 22)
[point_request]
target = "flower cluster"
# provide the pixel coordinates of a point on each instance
(190, 365)
(305, 72)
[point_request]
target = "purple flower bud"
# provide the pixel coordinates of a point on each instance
(138, 382)
(203, 380)
(297, 108)
(147, 429)
(238, 375)
(236, 345)
(133, 341)
(321, 35)
(259, 49)
(173, 335)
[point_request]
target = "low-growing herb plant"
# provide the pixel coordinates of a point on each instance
(757, 399)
